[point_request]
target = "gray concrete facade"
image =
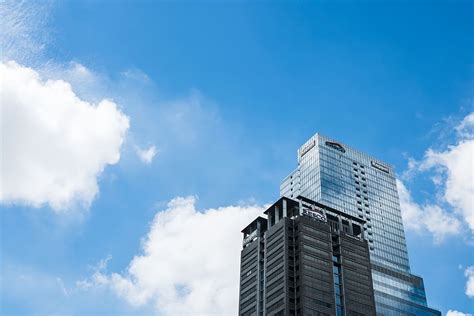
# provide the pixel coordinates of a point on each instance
(305, 259)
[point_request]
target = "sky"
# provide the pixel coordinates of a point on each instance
(136, 136)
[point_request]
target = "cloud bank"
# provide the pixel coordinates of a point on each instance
(431, 218)
(456, 313)
(455, 167)
(453, 178)
(189, 264)
(54, 145)
(469, 273)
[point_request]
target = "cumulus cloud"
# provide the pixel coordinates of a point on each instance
(455, 166)
(466, 128)
(430, 218)
(469, 273)
(54, 145)
(189, 264)
(456, 313)
(453, 178)
(146, 155)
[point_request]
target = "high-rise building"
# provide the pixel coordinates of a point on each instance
(364, 187)
(305, 259)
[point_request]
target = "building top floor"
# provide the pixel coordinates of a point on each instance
(303, 207)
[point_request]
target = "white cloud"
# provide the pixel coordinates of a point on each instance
(431, 218)
(469, 273)
(190, 261)
(88, 84)
(453, 178)
(466, 128)
(54, 145)
(456, 313)
(146, 155)
(456, 165)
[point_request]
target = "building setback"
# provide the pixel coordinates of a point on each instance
(305, 259)
(364, 187)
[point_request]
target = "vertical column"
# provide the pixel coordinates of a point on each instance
(284, 208)
(277, 214)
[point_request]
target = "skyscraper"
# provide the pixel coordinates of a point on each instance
(305, 259)
(364, 187)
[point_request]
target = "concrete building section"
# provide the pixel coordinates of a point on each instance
(315, 261)
(251, 268)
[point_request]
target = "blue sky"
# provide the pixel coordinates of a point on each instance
(226, 92)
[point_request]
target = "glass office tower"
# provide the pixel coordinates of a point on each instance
(364, 187)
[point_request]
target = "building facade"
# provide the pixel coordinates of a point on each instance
(305, 259)
(364, 187)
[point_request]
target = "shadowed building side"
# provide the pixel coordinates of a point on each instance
(305, 259)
